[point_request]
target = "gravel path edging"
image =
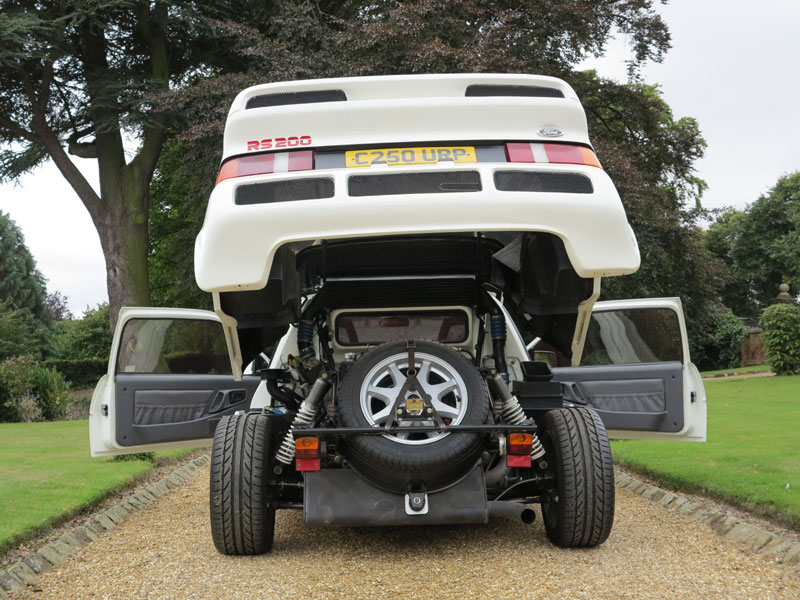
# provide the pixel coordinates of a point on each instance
(781, 549)
(18, 575)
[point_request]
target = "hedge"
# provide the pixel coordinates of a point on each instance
(81, 373)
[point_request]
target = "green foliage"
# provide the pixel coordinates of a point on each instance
(31, 392)
(761, 245)
(86, 338)
(21, 283)
(174, 223)
(748, 458)
(53, 393)
(21, 332)
(145, 456)
(721, 347)
(81, 372)
(781, 324)
(22, 400)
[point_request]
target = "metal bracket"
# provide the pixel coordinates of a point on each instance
(417, 503)
(413, 384)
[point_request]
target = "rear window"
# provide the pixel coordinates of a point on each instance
(174, 346)
(370, 328)
(633, 336)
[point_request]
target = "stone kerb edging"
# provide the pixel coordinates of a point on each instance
(16, 576)
(761, 541)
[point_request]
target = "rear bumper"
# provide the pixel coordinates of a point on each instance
(342, 497)
(235, 248)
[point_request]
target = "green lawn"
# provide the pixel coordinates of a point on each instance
(46, 474)
(752, 456)
(737, 370)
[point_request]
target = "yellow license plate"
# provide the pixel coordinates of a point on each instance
(410, 156)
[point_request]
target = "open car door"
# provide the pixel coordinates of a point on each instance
(168, 384)
(635, 371)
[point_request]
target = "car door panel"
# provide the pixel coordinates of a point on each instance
(168, 408)
(636, 373)
(169, 383)
(648, 398)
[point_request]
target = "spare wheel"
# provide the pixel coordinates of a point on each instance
(370, 394)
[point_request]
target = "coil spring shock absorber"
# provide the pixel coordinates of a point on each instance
(513, 414)
(497, 325)
(305, 416)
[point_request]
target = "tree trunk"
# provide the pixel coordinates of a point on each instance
(123, 228)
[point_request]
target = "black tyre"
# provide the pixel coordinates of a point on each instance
(581, 513)
(242, 516)
(420, 461)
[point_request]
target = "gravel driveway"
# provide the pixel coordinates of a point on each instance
(165, 551)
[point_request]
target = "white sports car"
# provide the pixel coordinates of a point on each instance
(420, 257)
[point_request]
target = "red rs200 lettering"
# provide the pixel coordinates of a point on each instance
(282, 142)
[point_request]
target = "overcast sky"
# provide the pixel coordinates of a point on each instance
(733, 66)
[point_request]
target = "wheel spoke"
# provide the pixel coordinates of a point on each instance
(387, 395)
(440, 390)
(397, 375)
(382, 414)
(444, 410)
(424, 372)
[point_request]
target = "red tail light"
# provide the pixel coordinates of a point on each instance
(312, 464)
(569, 154)
(518, 460)
(260, 164)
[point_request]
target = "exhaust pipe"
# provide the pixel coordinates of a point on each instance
(512, 510)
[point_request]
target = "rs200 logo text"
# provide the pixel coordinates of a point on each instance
(287, 142)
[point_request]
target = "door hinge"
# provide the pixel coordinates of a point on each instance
(693, 397)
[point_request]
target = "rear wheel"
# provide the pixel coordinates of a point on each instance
(581, 512)
(242, 514)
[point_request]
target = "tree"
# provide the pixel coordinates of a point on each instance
(81, 78)
(58, 305)
(719, 239)
(85, 338)
(21, 283)
(762, 245)
(20, 332)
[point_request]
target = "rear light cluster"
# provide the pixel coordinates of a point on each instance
(303, 160)
(306, 450)
(262, 164)
(520, 446)
(568, 154)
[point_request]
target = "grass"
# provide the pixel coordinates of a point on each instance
(737, 370)
(751, 457)
(47, 475)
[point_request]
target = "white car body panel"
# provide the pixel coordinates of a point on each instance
(235, 248)
(422, 107)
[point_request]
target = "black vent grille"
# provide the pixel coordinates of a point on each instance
(377, 292)
(415, 183)
(284, 191)
(536, 181)
(288, 98)
(531, 91)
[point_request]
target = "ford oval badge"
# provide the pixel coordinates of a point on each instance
(550, 132)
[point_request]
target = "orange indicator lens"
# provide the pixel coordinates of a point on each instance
(306, 447)
(520, 443)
